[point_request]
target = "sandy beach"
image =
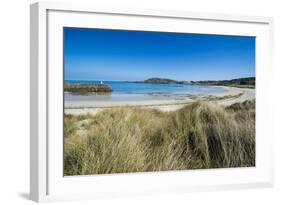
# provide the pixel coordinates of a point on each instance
(229, 96)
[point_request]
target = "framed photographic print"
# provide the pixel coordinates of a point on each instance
(127, 102)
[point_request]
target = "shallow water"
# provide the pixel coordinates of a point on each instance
(129, 91)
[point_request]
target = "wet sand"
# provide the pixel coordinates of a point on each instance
(229, 96)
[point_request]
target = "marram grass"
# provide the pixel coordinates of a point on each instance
(121, 140)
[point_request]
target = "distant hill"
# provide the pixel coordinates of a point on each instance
(160, 81)
(239, 82)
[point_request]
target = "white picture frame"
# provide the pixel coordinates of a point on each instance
(46, 163)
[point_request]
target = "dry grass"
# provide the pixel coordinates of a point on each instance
(199, 136)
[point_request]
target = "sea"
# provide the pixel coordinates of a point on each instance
(138, 91)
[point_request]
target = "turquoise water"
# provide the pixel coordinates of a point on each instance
(130, 91)
(120, 87)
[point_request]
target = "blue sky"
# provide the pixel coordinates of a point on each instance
(95, 54)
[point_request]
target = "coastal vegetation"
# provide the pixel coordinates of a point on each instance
(133, 139)
(87, 88)
(160, 81)
(239, 82)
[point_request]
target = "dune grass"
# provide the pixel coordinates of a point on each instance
(121, 140)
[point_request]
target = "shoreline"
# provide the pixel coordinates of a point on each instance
(230, 96)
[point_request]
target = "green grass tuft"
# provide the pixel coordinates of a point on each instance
(121, 140)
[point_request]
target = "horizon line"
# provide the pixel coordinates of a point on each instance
(153, 77)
